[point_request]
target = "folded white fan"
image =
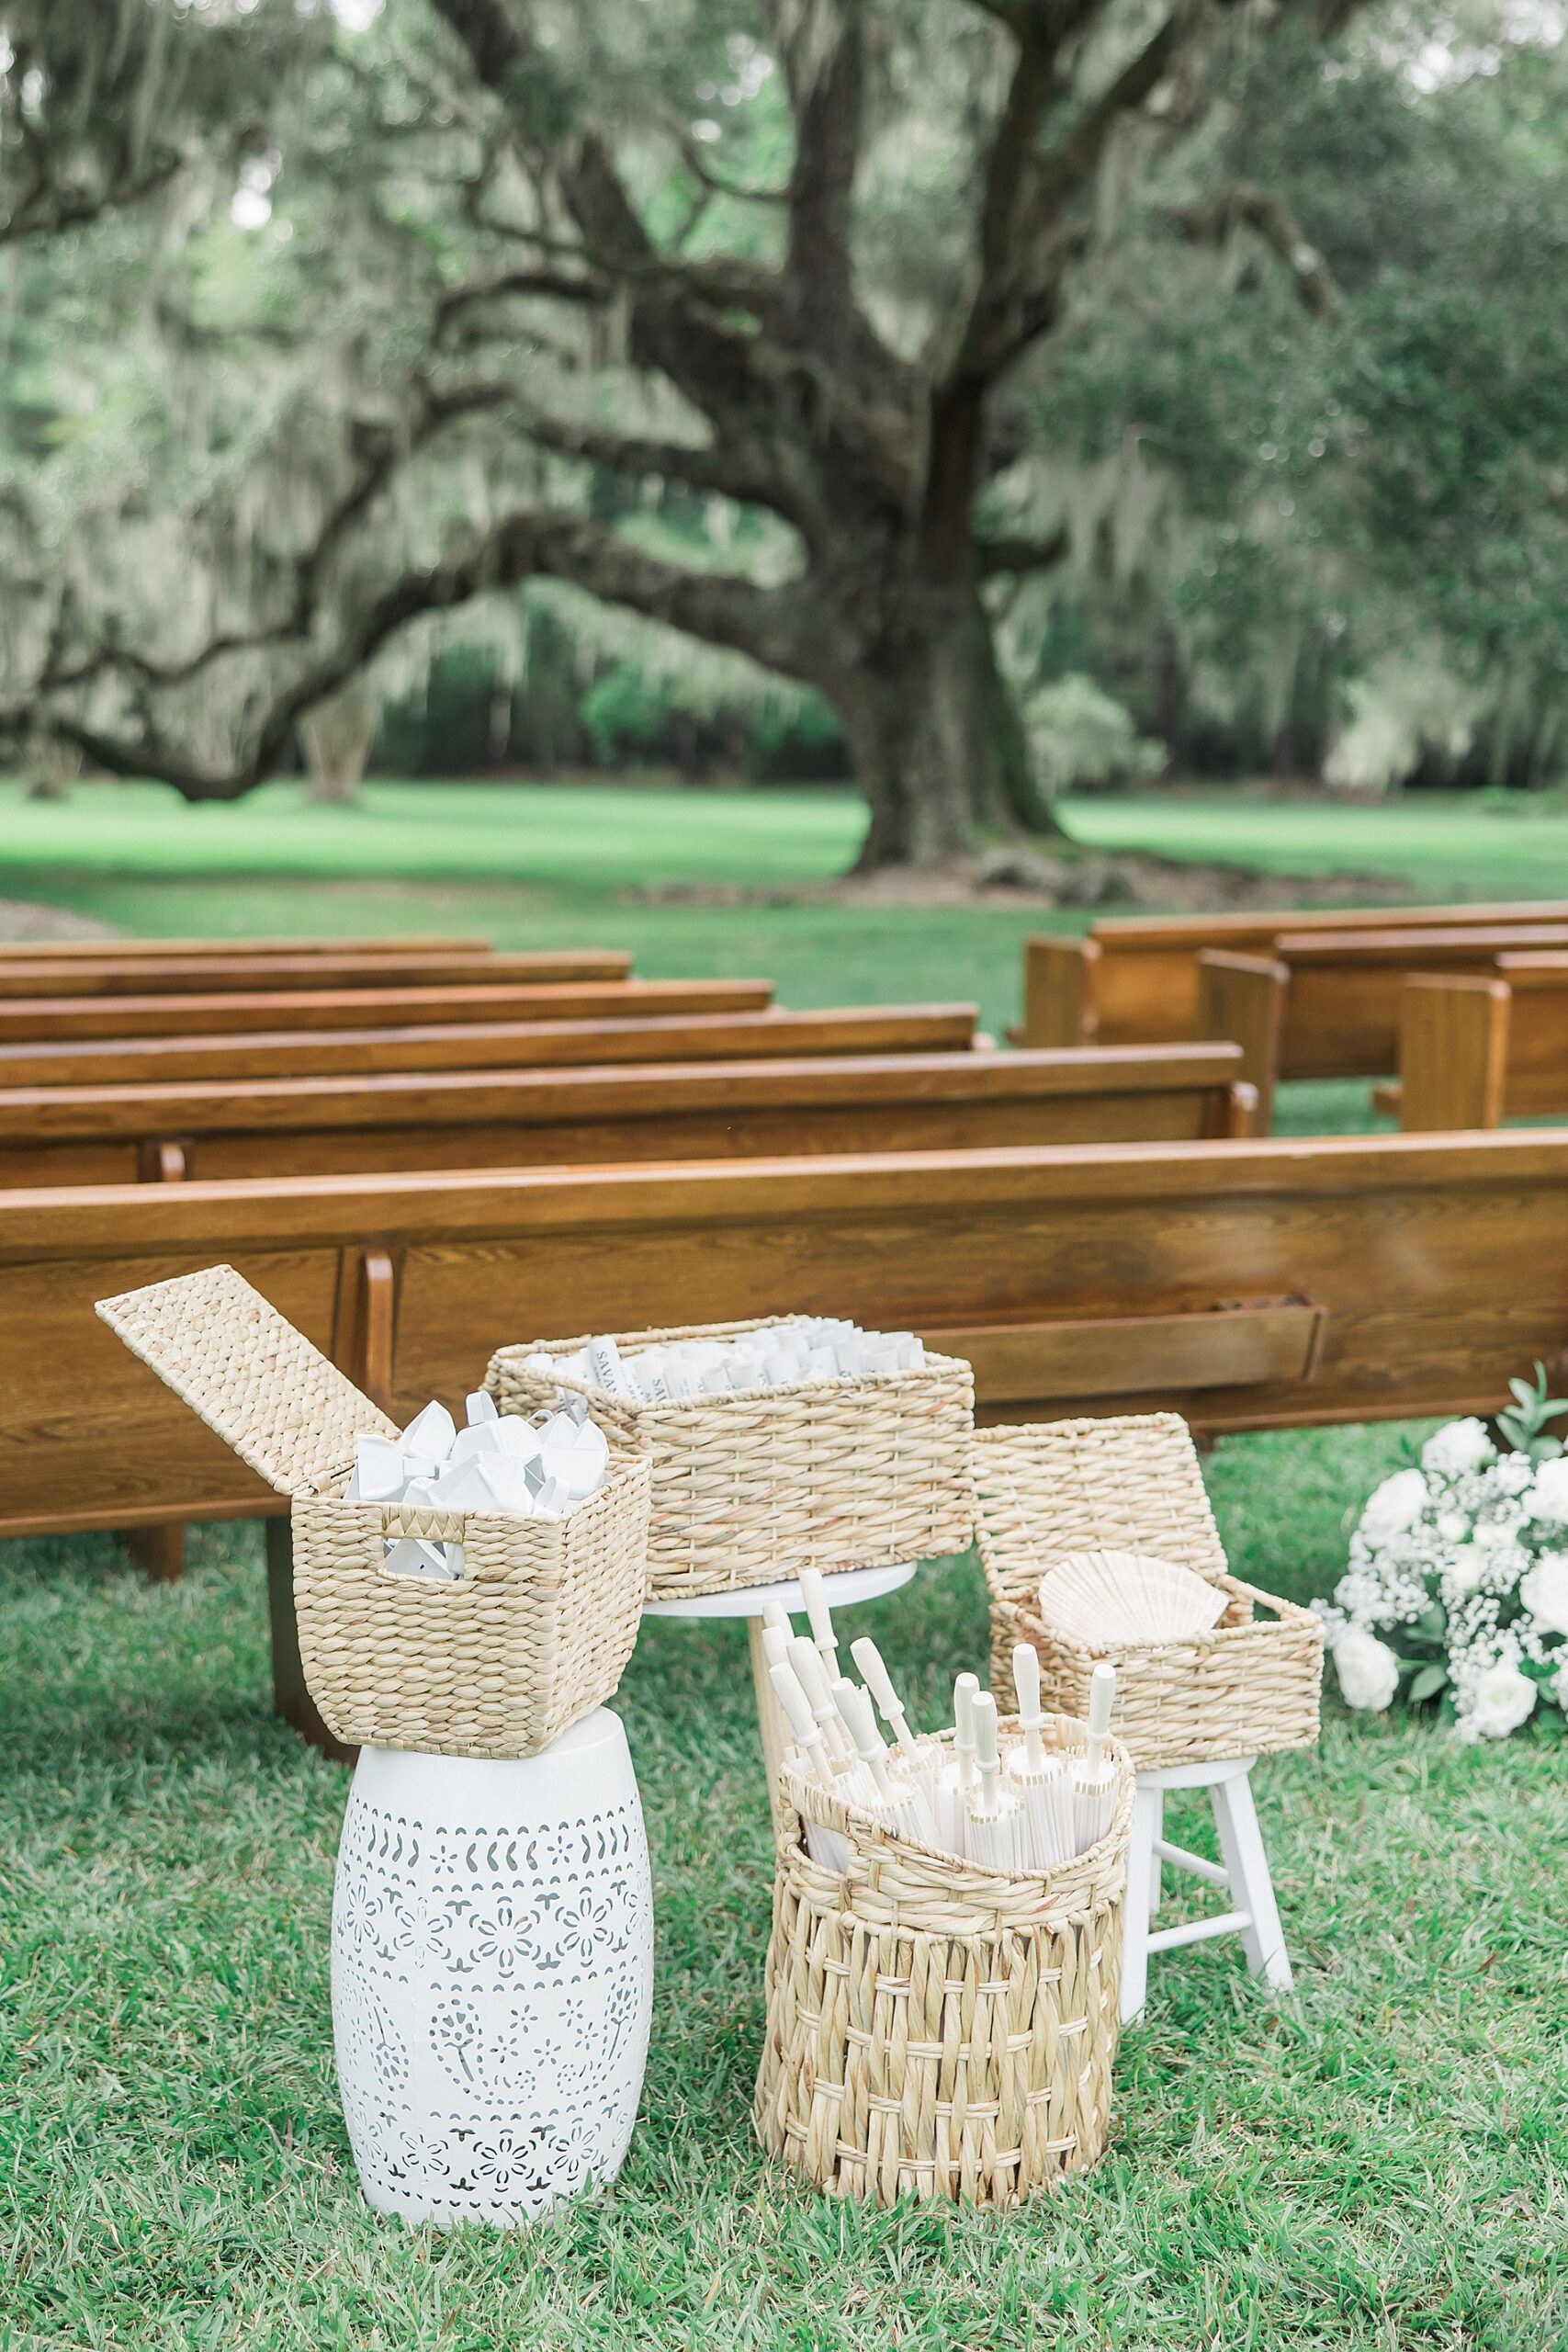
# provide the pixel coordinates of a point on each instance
(1126, 1599)
(1041, 1779)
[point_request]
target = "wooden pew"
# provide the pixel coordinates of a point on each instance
(150, 974)
(1136, 979)
(1333, 1008)
(1474, 1051)
(740, 1109)
(498, 1044)
(41, 1020)
(1248, 1285)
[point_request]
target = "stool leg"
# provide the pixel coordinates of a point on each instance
(1147, 1805)
(1252, 1888)
(1157, 1795)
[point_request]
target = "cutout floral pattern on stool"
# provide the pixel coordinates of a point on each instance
(491, 1991)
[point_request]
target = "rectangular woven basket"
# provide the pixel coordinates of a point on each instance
(933, 2030)
(534, 1633)
(865, 1471)
(1133, 1483)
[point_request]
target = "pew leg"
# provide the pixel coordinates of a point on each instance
(158, 1551)
(291, 1698)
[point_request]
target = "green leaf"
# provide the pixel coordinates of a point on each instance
(1428, 1683)
(1524, 1392)
(1432, 1623)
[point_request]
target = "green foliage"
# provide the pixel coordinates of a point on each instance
(1284, 504)
(1083, 741)
(1523, 1423)
(625, 712)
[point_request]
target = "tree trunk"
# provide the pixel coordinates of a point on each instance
(335, 738)
(935, 738)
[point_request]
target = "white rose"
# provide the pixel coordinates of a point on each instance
(1545, 1593)
(1549, 1500)
(1368, 1670)
(1470, 1564)
(1460, 1448)
(1504, 1697)
(1396, 1505)
(1452, 1526)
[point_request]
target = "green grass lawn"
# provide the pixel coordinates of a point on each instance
(1379, 2161)
(537, 866)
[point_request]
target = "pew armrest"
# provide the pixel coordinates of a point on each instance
(1235, 1343)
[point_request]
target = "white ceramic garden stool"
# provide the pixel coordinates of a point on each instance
(492, 1974)
(1253, 1915)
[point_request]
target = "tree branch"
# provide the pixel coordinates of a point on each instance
(821, 44)
(774, 626)
(554, 284)
(1002, 554)
(379, 450)
(1067, 170)
(1271, 219)
(724, 470)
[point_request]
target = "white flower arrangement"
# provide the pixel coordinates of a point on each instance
(1457, 1584)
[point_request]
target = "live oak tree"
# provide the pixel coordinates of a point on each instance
(723, 314)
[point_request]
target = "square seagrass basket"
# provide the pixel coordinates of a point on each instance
(533, 1635)
(934, 2030)
(866, 1471)
(1132, 1483)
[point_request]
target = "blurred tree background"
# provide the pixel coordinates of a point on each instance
(472, 386)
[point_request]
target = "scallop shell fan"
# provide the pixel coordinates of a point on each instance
(1116, 1600)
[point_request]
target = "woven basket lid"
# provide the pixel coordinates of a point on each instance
(255, 1380)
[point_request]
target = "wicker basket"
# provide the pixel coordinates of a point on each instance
(536, 1633)
(748, 1489)
(1133, 1483)
(933, 2030)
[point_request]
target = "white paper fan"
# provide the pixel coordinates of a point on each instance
(1116, 1600)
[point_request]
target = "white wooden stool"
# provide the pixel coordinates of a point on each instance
(844, 1587)
(1253, 1917)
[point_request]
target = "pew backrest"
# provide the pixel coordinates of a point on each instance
(66, 951)
(41, 1020)
(140, 976)
(692, 1110)
(499, 1044)
(1249, 1284)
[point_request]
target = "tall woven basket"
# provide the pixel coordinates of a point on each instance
(534, 1633)
(935, 2031)
(862, 1472)
(1133, 1483)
